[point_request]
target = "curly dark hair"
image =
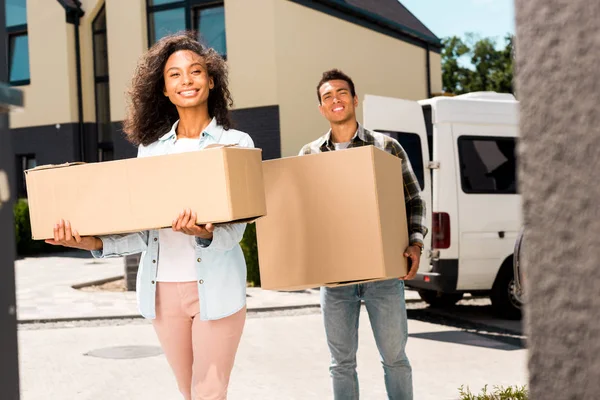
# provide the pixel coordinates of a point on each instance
(150, 114)
(335, 74)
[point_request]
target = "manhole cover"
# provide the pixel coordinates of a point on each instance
(125, 352)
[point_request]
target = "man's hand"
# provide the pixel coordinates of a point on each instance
(413, 253)
(65, 236)
(186, 223)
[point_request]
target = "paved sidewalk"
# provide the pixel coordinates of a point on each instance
(45, 292)
(281, 357)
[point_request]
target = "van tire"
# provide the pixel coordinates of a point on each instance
(504, 303)
(439, 300)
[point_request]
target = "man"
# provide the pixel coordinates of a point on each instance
(384, 300)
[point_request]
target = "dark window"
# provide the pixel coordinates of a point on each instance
(411, 143)
(487, 165)
(428, 117)
(103, 112)
(163, 23)
(18, 42)
(19, 59)
(101, 88)
(204, 16)
(16, 13)
(100, 54)
(210, 24)
(24, 162)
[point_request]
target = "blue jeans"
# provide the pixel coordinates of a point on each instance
(385, 305)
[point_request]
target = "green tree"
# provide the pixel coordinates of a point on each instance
(453, 75)
(491, 69)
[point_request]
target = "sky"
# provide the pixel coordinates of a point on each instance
(486, 18)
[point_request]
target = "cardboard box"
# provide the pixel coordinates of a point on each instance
(220, 184)
(333, 218)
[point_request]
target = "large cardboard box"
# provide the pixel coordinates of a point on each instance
(220, 184)
(333, 218)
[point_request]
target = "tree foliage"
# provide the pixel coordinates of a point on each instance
(490, 69)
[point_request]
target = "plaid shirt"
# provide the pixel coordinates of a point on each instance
(415, 206)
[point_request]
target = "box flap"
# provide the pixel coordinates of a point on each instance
(218, 146)
(52, 166)
(229, 146)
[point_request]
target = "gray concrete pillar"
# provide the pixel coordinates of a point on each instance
(558, 85)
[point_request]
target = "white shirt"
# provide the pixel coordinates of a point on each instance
(220, 267)
(341, 146)
(177, 250)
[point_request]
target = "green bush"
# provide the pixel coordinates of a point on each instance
(499, 393)
(26, 246)
(251, 254)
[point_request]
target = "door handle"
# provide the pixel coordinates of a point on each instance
(501, 234)
(433, 254)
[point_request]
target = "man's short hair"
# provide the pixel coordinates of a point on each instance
(335, 74)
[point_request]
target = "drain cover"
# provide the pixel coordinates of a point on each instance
(125, 352)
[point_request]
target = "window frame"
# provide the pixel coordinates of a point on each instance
(103, 146)
(191, 7)
(460, 154)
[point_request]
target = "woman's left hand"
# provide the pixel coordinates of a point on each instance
(186, 223)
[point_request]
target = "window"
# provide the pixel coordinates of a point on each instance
(205, 17)
(428, 117)
(411, 143)
(210, 24)
(18, 42)
(487, 165)
(24, 162)
(101, 88)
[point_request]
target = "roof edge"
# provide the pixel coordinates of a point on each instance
(367, 16)
(71, 6)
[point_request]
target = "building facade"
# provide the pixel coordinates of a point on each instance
(75, 59)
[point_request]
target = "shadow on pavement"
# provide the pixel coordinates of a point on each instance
(479, 339)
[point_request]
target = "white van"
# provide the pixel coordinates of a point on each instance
(463, 152)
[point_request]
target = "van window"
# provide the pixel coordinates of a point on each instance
(427, 116)
(487, 164)
(411, 143)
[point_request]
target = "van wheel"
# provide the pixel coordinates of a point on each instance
(504, 300)
(439, 300)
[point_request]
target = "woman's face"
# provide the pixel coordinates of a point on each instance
(187, 83)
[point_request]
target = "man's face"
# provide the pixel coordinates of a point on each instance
(337, 103)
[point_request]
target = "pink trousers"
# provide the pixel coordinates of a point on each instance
(200, 353)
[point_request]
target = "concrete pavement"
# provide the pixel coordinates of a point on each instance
(281, 357)
(283, 354)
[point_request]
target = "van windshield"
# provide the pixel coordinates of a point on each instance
(487, 164)
(411, 143)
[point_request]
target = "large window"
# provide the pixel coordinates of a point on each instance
(205, 17)
(487, 165)
(102, 93)
(18, 42)
(411, 143)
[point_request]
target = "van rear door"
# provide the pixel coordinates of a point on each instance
(403, 120)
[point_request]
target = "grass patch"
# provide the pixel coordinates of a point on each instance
(498, 393)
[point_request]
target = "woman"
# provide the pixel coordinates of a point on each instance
(194, 289)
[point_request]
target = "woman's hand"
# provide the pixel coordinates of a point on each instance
(186, 223)
(65, 236)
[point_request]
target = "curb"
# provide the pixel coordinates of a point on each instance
(254, 310)
(97, 282)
